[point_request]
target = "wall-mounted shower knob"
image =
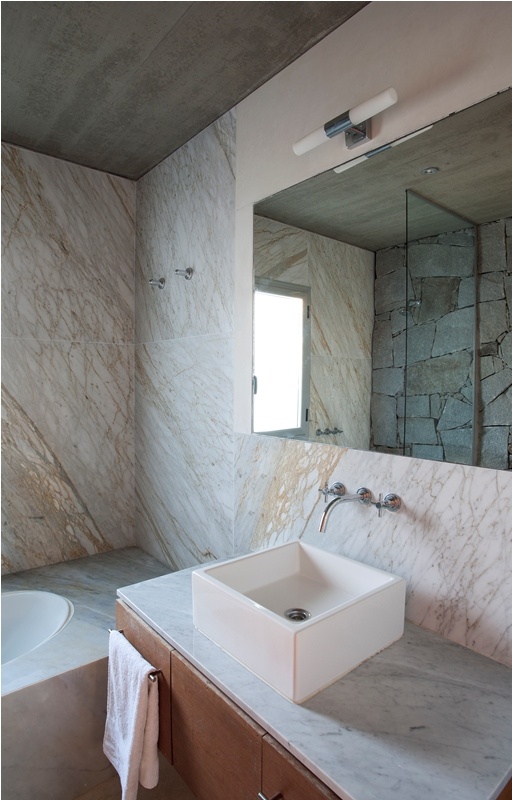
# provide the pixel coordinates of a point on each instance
(185, 273)
(159, 282)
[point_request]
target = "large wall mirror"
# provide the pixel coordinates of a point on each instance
(407, 255)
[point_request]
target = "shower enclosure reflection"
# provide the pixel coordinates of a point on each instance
(423, 400)
(395, 363)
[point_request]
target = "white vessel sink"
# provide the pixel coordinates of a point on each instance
(354, 612)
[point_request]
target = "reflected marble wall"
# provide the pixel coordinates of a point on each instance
(451, 541)
(67, 350)
(184, 361)
(341, 279)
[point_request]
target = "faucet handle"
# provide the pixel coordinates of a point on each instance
(391, 501)
(325, 490)
(337, 490)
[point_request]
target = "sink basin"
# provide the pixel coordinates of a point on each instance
(340, 612)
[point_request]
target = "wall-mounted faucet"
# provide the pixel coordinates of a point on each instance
(391, 502)
(362, 495)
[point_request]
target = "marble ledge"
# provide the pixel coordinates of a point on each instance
(90, 584)
(424, 718)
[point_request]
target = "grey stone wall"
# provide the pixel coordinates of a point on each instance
(425, 320)
(495, 318)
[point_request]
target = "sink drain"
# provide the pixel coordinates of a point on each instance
(297, 614)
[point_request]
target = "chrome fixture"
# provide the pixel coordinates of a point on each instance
(153, 676)
(159, 282)
(185, 273)
(363, 496)
(391, 502)
(262, 796)
(411, 304)
(327, 431)
(378, 150)
(297, 614)
(354, 123)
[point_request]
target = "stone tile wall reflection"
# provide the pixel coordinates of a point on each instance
(495, 318)
(67, 349)
(341, 278)
(184, 361)
(440, 325)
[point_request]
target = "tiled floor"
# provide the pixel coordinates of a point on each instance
(170, 787)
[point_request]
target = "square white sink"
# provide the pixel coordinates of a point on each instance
(354, 612)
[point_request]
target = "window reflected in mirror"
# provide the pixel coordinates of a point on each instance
(281, 358)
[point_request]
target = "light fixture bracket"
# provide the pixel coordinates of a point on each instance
(358, 134)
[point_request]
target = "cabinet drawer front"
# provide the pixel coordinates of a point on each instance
(282, 773)
(158, 652)
(216, 747)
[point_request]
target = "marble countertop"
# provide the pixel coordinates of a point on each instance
(425, 718)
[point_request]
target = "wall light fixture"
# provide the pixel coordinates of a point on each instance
(355, 123)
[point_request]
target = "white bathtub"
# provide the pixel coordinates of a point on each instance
(29, 619)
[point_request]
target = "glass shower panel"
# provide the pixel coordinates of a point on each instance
(439, 401)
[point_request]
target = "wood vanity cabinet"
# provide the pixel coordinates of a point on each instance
(221, 753)
(216, 747)
(282, 773)
(158, 652)
(218, 750)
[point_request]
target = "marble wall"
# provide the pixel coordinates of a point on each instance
(184, 352)
(202, 491)
(67, 352)
(451, 540)
(341, 279)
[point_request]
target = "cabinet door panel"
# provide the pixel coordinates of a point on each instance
(506, 793)
(158, 652)
(216, 747)
(282, 773)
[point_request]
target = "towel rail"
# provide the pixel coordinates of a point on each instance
(153, 676)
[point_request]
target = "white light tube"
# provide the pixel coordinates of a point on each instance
(350, 164)
(355, 116)
(372, 107)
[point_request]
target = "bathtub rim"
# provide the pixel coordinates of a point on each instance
(70, 611)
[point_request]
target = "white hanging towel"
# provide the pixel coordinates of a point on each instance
(131, 730)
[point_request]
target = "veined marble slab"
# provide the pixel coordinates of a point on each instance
(280, 251)
(185, 218)
(184, 362)
(184, 445)
(341, 279)
(425, 718)
(451, 541)
(67, 317)
(67, 232)
(67, 439)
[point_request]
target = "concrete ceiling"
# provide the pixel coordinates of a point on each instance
(118, 86)
(365, 206)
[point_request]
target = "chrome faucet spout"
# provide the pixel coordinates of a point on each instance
(363, 496)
